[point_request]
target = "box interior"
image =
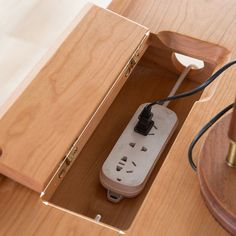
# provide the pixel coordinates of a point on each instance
(81, 191)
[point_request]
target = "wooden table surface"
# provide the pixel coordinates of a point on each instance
(174, 205)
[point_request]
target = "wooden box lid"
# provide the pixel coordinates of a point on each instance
(68, 97)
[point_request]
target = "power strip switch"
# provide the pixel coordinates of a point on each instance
(132, 159)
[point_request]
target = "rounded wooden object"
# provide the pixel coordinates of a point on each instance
(217, 179)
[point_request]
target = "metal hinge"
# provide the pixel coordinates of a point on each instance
(67, 161)
(72, 154)
(136, 56)
(132, 64)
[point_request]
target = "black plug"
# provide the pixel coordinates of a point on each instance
(145, 122)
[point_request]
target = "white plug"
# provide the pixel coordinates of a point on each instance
(132, 159)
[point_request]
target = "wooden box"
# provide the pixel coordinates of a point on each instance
(57, 134)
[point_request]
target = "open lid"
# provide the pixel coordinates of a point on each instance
(68, 97)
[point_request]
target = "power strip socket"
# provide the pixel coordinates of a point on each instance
(132, 159)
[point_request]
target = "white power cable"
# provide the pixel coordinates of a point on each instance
(178, 83)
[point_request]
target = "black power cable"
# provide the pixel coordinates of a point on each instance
(145, 122)
(197, 89)
(202, 131)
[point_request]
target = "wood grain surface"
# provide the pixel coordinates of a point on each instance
(173, 205)
(157, 68)
(217, 179)
(22, 213)
(54, 109)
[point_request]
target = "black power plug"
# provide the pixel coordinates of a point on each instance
(145, 122)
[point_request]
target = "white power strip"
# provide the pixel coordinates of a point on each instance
(132, 159)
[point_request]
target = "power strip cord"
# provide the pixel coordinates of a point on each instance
(146, 123)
